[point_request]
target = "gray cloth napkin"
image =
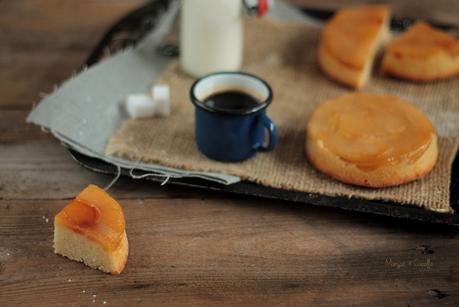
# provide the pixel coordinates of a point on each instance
(87, 109)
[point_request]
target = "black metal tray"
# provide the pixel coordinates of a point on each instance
(130, 29)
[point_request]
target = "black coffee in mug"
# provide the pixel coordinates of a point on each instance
(231, 100)
(230, 116)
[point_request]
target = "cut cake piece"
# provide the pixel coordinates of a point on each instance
(350, 42)
(91, 229)
(422, 54)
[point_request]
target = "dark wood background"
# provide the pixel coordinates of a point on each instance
(187, 247)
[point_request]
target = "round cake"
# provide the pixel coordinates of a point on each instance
(422, 54)
(371, 140)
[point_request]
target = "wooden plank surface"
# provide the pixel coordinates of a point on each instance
(187, 247)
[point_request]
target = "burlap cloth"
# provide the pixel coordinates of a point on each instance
(285, 55)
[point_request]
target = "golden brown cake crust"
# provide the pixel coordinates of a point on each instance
(336, 71)
(422, 54)
(356, 150)
(332, 166)
(123, 253)
(422, 41)
(351, 32)
(349, 43)
(420, 78)
(77, 247)
(91, 229)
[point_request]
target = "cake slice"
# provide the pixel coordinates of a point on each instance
(350, 42)
(422, 53)
(91, 229)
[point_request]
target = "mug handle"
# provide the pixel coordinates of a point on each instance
(272, 132)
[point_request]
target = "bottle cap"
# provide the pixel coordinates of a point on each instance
(258, 7)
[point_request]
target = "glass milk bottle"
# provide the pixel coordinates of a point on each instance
(211, 36)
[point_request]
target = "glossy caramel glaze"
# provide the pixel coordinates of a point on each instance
(371, 130)
(351, 34)
(96, 215)
(423, 41)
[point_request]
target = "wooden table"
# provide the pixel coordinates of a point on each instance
(186, 246)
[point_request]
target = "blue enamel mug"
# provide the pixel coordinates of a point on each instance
(232, 134)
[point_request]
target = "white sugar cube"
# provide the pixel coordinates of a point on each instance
(140, 106)
(162, 99)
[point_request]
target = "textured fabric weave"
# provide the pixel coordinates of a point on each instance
(285, 55)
